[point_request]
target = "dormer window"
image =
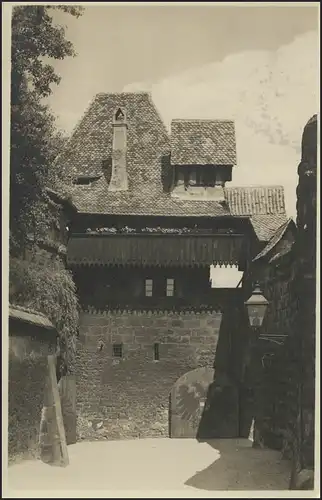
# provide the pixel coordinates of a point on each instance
(201, 176)
(86, 180)
(205, 176)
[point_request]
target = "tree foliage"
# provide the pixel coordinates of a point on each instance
(49, 290)
(35, 39)
(35, 142)
(35, 36)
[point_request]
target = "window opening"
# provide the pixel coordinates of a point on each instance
(119, 115)
(170, 287)
(156, 352)
(148, 287)
(118, 350)
(85, 180)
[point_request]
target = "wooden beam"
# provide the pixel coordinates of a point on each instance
(60, 452)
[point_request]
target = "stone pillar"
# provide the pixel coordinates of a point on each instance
(67, 390)
(303, 459)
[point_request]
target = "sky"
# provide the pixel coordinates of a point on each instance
(256, 65)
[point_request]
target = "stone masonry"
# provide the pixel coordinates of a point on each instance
(128, 397)
(29, 347)
(283, 376)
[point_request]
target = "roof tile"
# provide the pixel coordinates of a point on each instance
(266, 225)
(203, 142)
(150, 170)
(97, 199)
(256, 200)
(275, 239)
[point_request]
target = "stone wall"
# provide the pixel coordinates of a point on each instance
(272, 374)
(29, 347)
(283, 377)
(306, 289)
(129, 397)
(52, 254)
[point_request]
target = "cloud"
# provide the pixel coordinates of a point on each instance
(269, 94)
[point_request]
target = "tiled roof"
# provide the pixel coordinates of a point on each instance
(266, 225)
(91, 141)
(149, 169)
(96, 199)
(275, 239)
(29, 316)
(256, 200)
(147, 156)
(240, 202)
(263, 204)
(203, 142)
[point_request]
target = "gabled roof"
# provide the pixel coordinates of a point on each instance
(275, 239)
(203, 142)
(148, 162)
(91, 141)
(149, 166)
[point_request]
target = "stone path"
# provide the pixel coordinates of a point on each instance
(183, 465)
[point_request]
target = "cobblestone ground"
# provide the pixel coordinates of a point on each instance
(182, 465)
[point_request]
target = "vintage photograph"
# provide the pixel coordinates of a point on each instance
(160, 315)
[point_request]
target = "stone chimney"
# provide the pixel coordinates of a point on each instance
(119, 180)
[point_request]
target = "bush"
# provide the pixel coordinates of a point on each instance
(51, 291)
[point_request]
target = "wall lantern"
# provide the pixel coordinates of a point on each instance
(256, 307)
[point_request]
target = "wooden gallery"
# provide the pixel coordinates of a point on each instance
(149, 215)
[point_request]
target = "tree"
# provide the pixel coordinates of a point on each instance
(35, 37)
(35, 142)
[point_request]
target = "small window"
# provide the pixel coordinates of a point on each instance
(86, 180)
(82, 181)
(118, 350)
(119, 115)
(148, 288)
(156, 352)
(170, 287)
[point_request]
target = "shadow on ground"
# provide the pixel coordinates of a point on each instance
(241, 467)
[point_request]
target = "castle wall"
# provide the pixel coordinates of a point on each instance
(273, 374)
(29, 347)
(129, 397)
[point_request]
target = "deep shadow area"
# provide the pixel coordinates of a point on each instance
(167, 176)
(228, 411)
(220, 417)
(241, 467)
